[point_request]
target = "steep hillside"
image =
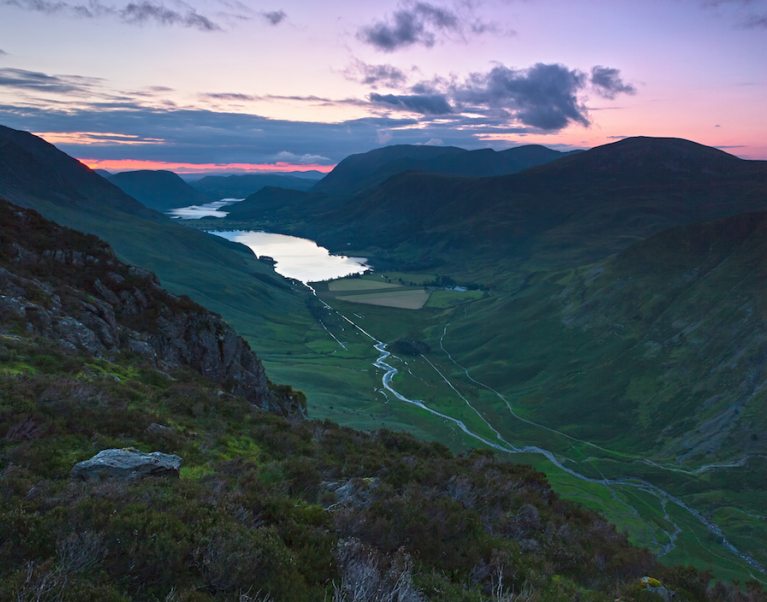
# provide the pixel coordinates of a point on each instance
(576, 209)
(269, 204)
(262, 507)
(694, 298)
(160, 190)
(220, 275)
(32, 168)
(241, 186)
(87, 301)
(360, 172)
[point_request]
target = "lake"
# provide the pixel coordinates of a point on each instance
(298, 258)
(207, 210)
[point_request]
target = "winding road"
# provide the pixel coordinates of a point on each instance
(389, 371)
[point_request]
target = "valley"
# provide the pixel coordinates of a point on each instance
(511, 366)
(547, 352)
(679, 517)
(399, 301)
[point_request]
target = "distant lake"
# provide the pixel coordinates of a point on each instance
(298, 258)
(207, 210)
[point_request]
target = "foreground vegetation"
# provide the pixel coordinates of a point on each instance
(271, 509)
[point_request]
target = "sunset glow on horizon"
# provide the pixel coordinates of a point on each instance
(118, 165)
(241, 92)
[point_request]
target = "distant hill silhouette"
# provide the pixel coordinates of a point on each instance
(223, 276)
(159, 189)
(242, 186)
(359, 172)
(587, 204)
(268, 203)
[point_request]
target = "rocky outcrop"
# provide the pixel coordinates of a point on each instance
(126, 465)
(70, 288)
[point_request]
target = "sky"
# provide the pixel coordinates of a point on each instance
(201, 86)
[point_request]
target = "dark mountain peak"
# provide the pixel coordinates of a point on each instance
(163, 174)
(647, 161)
(533, 150)
(159, 189)
(646, 156)
(267, 202)
(33, 170)
(363, 171)
(243, 185)
(418, 150)
(668, 147)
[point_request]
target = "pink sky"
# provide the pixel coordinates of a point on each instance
(335, 78)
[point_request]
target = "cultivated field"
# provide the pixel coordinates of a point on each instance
(402, 299)
(358, 284)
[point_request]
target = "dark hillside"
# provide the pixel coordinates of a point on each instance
(160, 190)
(263, 507)
(578, 208)
(223, 276)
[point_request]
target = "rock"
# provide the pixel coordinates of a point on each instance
(126, 464)
(85, 299)
(355, 493)
(160, 429)
(654, 586)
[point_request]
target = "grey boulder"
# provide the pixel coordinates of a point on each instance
(126, 464)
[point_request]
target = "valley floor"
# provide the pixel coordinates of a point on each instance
(451, 393)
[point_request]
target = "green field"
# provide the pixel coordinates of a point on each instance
(359, 284)
(492, 376)
(402, 299)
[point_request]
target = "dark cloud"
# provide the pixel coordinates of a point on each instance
(133, 13)
(2, 52)
(608, 83)
(159, 89)
(718, 3)
(387, 76)
(236, 96)
(204, 136)
(419, 23)
(750, 14)
(310, 99)
(274, 17)
(139, 13)
(21, 79)
(755, 21)
(543, 97)
(431, 104)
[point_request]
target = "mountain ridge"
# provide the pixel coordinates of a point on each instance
(158, 189)
(364, 170)
(555, 205)
(223, 276)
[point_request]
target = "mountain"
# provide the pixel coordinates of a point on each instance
(581, 206)
(103, 173)
(268, 204)
(98, 362)
(69, 288)
(617, 326)
(695, 295)
(222, 276)
(160, 190)
(360, 172)
(241, 186)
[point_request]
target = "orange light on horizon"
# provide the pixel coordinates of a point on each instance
(203, 168)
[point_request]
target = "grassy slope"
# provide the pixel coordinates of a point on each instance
(505, 338)
(220, 275)
(250, 511)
